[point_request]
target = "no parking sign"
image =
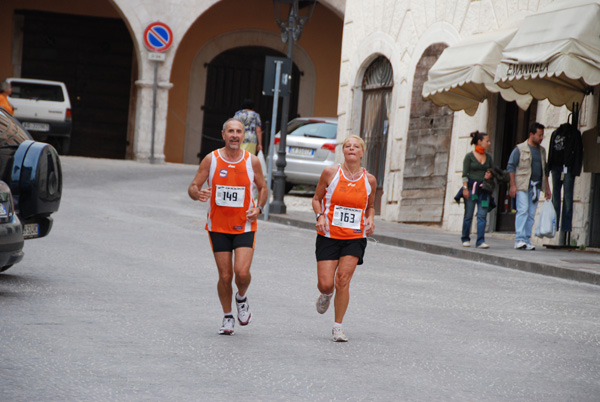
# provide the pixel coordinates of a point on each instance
(158, 37)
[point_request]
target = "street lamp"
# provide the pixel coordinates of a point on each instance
(291, 16)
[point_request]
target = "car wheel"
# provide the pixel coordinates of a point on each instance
(4, 268)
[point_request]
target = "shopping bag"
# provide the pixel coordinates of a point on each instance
(546, 226)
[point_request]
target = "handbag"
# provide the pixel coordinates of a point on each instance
(546, 226)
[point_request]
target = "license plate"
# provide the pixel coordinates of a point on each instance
(31, 230)
(301, 151)
(36, 126)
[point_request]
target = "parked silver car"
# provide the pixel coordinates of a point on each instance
(311, 143)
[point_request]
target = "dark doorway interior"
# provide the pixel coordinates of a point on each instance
(93, 57)
(513, 124)
(595, 214)
(233, 76)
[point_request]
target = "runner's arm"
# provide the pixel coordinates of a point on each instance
(261, 185)
(195, 189)
(370, 212)
(324, 181)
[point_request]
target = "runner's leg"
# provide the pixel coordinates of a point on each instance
(346, 268)
(225, 268)
(326, 276)
(243, 261)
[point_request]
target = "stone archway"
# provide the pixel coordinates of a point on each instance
(198, 80)
(377, 85)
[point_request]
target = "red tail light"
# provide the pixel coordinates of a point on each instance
(329, 146)
(69, 114)
(277, 140)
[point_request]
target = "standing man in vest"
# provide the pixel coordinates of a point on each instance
(231, 218)
(526, 166)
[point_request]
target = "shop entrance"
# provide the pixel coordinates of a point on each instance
(233, 76)
(511, 128)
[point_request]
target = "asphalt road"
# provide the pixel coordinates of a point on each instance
(119, 303)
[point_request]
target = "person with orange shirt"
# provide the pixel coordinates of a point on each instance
(231, 217)
(344, 208)
(5, 91)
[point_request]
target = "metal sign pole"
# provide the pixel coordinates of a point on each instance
(278, 64)
(154, 90)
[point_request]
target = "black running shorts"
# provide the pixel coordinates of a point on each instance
(333, 249)
(229, 242)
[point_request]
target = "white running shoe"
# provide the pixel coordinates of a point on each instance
(520, 244)
(339, 335)
(244, 315)
(227, 326)
(483, 245)
(323, 303)
(529, 247)
(466, 243)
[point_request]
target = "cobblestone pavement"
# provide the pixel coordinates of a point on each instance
(119, 304)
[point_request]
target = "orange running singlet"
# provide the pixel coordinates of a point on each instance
(231, 196)
(344, 206)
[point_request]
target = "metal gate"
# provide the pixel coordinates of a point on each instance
(233, 76)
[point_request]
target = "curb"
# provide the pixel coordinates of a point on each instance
(504, 262)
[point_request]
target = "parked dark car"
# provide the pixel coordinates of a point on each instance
(30, 189)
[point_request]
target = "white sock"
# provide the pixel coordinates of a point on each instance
(329, 295)
(230, 314)
(337, 325)
(239, 298)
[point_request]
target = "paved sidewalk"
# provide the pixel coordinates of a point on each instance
(583, 266)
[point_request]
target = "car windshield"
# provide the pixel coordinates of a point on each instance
(26, 90)
(316, 130)
(11, 134)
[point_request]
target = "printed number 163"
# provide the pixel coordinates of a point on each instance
(347, 217)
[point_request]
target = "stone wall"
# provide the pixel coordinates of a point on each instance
(402, 31)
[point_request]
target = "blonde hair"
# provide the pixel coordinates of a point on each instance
(361, 142)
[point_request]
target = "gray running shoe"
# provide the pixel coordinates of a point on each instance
(529, 247)
(227, 326)
(339, 335)
(520, 245)
(244, 315)
(323, 303)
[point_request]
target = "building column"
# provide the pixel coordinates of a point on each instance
(142, 148)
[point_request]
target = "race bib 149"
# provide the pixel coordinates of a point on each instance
(230, 196)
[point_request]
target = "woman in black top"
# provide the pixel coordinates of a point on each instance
(476, 167)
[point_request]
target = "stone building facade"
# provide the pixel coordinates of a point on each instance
(87, 42)
(426, 144)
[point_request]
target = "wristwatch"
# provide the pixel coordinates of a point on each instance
(318, 216)
(260, 209)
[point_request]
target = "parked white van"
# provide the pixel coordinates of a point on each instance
(44, 109)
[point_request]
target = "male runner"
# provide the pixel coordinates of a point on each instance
(231, 218)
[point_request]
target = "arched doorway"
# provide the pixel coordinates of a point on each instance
(427, 150)
(377, 95)
(233, 76)
(97, 66)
